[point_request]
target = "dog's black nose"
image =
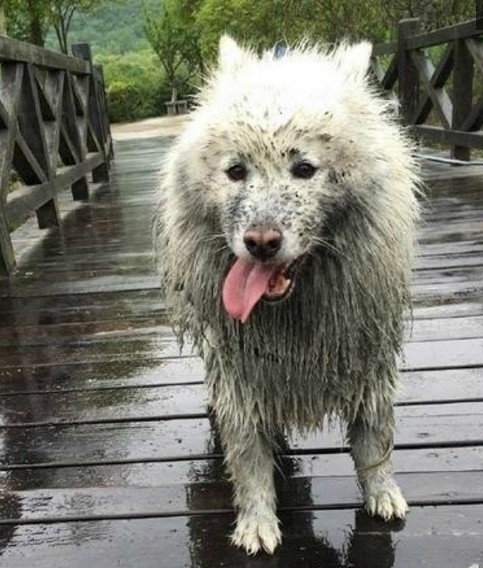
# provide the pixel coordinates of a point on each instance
(263, 244)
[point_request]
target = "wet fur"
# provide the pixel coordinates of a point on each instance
(330, 349)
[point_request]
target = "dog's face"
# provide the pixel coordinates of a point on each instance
(280, 156)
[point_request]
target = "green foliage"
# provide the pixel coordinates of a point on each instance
(174, 36)
(136, 85)
(433, 14)
(134, 82)
(62, 12)
(114, 27)
(30, 20)
(263, 24)
(150, 47)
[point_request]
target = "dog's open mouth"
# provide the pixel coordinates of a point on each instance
(249, 282)
(282, 282)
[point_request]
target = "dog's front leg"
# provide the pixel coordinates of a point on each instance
(250, 461)
(371, 438)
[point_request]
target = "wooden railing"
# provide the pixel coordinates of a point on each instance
(54, 132)
(445, 86)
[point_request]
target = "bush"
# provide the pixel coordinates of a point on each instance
(124, 102)
(134, 84)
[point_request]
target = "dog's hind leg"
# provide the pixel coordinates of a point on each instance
(370, 435)
(250, 461)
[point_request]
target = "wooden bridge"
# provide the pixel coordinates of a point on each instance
(107, 456)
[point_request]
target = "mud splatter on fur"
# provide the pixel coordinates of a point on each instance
(330, 349)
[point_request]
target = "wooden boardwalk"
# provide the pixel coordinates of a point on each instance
(108, 458)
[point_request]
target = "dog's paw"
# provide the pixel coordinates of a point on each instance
(256, 532)
(387, 502)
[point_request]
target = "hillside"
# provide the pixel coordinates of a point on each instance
(136, 86)
(115, 28)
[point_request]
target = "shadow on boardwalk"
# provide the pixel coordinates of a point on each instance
(108, 458)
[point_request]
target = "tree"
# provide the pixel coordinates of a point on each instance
(62, 12)
(262, 24)
(334, 20)
(30, 20)
(434, 14)
(3, 21)
(173, 35)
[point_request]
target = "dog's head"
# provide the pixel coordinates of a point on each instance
(280, 149)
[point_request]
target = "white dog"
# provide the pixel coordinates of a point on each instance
(284, 233)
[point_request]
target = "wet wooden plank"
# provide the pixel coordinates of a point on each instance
(417, 355)
(184, 472)
(443, 354)
(81, 308)
(417, 386)
(115, 374)
(87, 334)
(445, 328)
(88, 285)
(89, 352)
(449, 231)
(316, 538)
(441, 385)
(417, 427)
(300, 493)
(447, 307)
(439, 262)
(163, 401)
(95, 332)
(447, 276)
(89, 330)
(447, 249)
(106, 405)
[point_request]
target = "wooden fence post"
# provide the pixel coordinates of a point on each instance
(462, 94)
(53, 132)
(407, 73)
(32, 126)
(101, 172)
(7, 256)
(102, 97)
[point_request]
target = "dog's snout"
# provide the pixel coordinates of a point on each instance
(263, 243)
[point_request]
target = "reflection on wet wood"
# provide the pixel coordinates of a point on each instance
(108, 455)
(329, 539)
(159, 438)
(312, 493)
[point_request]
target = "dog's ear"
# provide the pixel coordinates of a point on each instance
(231, 56)
(354, 60)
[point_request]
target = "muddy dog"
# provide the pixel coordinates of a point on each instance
(285, 232)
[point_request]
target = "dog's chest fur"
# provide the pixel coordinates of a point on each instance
(308, 357)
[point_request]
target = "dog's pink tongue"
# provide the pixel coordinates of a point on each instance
(244, 285)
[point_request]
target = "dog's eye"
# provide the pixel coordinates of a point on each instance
(238, 172)
(303, 170)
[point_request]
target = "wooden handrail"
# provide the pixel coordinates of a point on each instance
(54, 132)
(472, 28)
(420, 84)
(15, 50)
